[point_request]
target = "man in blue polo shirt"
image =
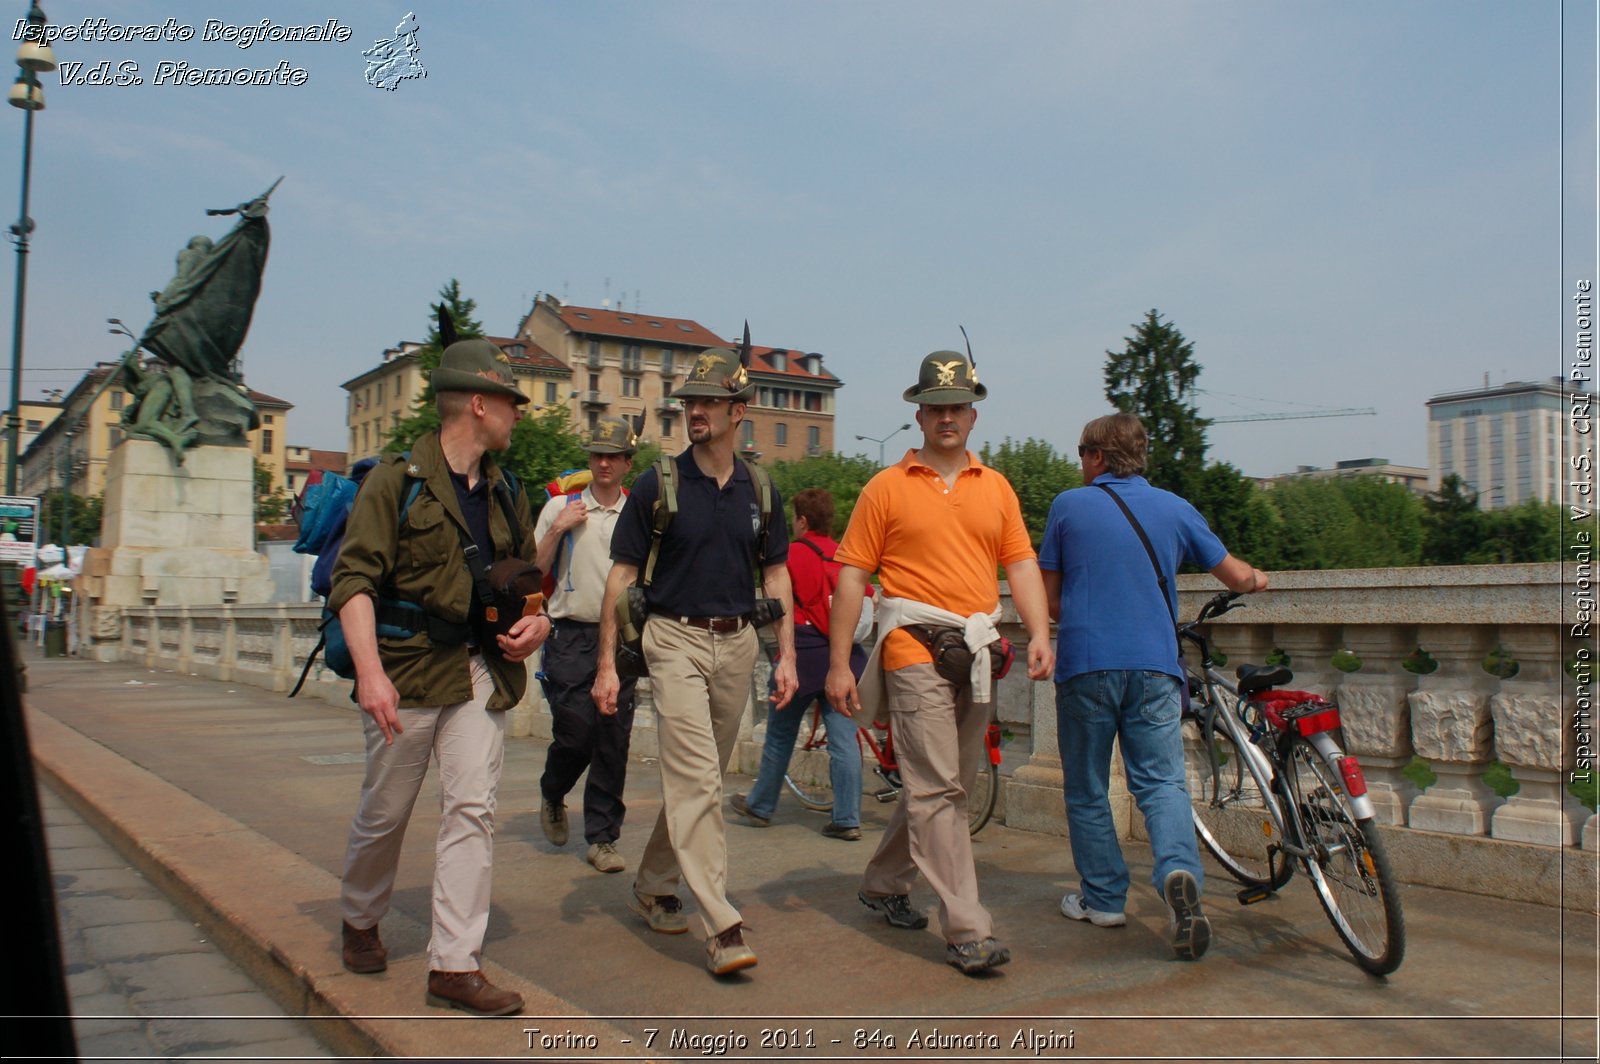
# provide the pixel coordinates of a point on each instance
(1117, 670)
(700, 647)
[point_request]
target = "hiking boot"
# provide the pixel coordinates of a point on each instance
(553, 819)
(663, 912)
(1191, 931)
(742, 807)
(1073, 908)
(846, 832)
(363, 950)
(471, 992)
(726, 953)
(604, 856)
(896, 908)
(974, 957)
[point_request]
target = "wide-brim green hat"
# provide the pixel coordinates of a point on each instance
(612, 435)
(476, 366)
(717, 374)
(946, 377)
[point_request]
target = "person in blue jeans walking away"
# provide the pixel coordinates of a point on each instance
(814, 575)
(1110, 576)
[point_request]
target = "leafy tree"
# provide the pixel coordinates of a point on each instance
(1453, 527)
(424, 418)
(1239, 513)
(83, 516)
(271, 502)
(1037, 474)
(1346, 523)
(842, 477)
(1531, 531)
(1153, 377)
(542, 447)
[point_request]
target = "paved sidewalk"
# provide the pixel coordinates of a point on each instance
(239, 800)
(146, 983)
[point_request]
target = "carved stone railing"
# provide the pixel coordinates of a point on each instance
(1475, 739)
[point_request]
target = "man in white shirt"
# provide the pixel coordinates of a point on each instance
(574, 544)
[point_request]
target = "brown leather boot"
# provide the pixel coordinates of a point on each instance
(471, 992)
(363, 950)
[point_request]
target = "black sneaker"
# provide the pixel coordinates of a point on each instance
(1191, 931)
(896, 908)
(974, 957)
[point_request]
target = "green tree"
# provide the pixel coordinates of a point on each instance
(1531, 531)
(423, 417)
(1239, 513)
(1345, 523)
(1037, 474)
(272, 502)
(1453, 527)
(543, 447)
(842, 477)
(83, 516)
(1153, 377)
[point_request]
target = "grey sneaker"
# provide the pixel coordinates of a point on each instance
(726, 953)
(846, 832)
(1191, 931)
(604, 856)
(663, 912)
(974, 957)
(1073, 908)
(742, 807)
(896, 908)
(553, 819)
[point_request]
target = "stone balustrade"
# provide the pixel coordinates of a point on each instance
(1474, 739)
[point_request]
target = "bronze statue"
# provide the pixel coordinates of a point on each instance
(192, 391)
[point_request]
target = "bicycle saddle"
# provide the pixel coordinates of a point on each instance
(1256, 678)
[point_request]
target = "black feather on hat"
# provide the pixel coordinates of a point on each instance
(447, 328)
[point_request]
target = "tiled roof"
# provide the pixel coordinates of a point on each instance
(631, 325)
(534, 356)
(263, 399)
(761, 362)
(315, 459)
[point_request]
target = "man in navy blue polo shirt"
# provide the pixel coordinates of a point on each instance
(1117, 671)
(700, 648)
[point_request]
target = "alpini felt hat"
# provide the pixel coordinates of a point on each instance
(612, 435)
(476, 366)
(946, 377)
(719, 373)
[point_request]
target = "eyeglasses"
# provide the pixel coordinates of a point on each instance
(1083, 450)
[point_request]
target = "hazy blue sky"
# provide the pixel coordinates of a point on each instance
(1341, 204)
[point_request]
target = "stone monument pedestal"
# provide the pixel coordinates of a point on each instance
(173, 535)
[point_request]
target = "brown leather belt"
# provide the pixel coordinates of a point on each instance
(720, 625)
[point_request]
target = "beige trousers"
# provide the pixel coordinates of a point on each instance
(469, 742)
(701, 685)
(938, 740)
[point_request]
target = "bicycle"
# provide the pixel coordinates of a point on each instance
(819, 796)
(1271, 785)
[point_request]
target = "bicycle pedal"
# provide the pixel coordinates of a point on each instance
(1251, 895)
(889, 794)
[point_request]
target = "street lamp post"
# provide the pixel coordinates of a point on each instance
(34, 57)
(885, 440)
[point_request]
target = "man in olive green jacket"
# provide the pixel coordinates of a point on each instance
(434, 682)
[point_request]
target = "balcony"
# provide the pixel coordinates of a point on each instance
(670, 406)
(595, 399)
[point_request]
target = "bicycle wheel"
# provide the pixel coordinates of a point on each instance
(980, 802)
(1231, 815)
(817, 797)
(1347, 862)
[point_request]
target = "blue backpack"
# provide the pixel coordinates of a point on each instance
(324, 516)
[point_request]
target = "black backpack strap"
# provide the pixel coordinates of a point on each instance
(1150, 552)
(813, 546)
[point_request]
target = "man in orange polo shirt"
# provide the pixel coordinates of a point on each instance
(934, 527)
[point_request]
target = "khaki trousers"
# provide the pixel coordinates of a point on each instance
(701, 684)
(938, 739)
(469, 742)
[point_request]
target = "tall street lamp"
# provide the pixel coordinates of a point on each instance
(34, 57)
(885, 440)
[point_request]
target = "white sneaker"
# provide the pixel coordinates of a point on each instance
(1072, 908)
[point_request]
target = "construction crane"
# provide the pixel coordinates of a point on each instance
(1309, 412)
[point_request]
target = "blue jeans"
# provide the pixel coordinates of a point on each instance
(1142, 709)
(844, 759)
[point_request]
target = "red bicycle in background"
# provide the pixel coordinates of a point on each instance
(819, 796)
